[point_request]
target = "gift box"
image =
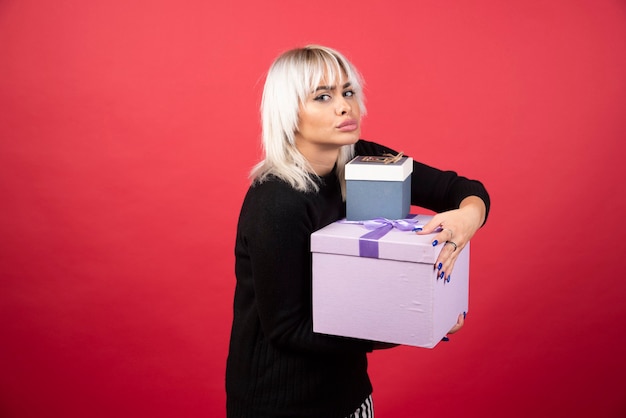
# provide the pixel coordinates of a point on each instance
(378, 187)
(377, 281)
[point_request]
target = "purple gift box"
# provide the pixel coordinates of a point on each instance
(374, 280)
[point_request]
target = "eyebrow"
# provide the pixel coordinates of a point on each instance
(345, 86)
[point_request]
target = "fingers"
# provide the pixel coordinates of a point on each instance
(450, 233)
(459, 324)
(445, 263)
(434, 225)
(444, 232)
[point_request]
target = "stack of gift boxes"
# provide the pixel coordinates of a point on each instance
(373, 277)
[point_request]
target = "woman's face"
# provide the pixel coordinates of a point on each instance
(330, 116)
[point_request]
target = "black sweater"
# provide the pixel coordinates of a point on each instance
(277, 366)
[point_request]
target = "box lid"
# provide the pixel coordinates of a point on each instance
(364, 167)
(355, 239)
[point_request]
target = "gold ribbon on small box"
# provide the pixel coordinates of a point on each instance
(386, 158)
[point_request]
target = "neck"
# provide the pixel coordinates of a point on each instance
(322, 159)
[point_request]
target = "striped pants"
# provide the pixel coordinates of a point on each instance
(366, 410)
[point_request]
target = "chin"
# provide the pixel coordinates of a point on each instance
(350, 139)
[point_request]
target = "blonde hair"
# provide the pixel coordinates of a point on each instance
(290, 80)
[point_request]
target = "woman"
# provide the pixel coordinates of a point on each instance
(311, 115)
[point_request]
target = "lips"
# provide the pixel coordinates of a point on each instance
(348, 125)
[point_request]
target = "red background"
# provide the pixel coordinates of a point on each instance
(127, 130)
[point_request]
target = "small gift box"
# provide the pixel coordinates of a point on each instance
(376, 280)
(378, 186)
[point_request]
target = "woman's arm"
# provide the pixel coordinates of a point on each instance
(462, 205)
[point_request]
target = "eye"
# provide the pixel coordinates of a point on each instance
(323, 97)
(349, 93)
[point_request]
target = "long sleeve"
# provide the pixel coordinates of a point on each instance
(432, 188)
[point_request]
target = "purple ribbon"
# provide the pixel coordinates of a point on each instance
(368, 243)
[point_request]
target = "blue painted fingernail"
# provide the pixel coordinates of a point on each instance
(439, 266)
(445, 339)
(441, 275)
(464, 315)
(417, 228)
(435, 242)
(448, 279)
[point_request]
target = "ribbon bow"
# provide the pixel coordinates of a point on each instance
(401, 224)
(368, 243)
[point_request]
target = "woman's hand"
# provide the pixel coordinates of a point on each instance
(459, 324)
(457, 226)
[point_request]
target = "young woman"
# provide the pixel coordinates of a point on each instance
(311, 117)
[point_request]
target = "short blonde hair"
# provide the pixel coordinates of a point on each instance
(290, 80)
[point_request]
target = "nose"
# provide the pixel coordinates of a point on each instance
(343, 107)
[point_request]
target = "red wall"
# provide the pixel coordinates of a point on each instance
(127, 129)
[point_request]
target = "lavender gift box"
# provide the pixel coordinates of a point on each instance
(379, 283)
(378, 187)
